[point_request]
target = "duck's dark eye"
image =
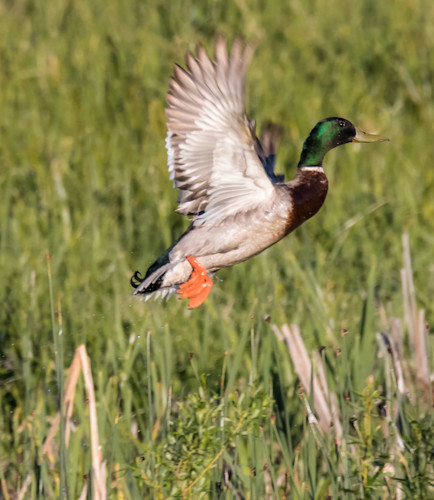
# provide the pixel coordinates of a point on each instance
(341, 124)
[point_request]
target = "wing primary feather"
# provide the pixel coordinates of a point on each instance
(211, 154)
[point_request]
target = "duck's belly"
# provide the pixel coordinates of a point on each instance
(233, 240)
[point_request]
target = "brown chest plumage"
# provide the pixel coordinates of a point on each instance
(308, 192)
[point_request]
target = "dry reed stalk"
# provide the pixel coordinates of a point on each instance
(83, 494)
(79, 363)
(68, 403)
(4, 489)
(24, 487)
(292, 337)
(98, 467)
(415, 322)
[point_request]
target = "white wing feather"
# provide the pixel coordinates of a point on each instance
(211, 154)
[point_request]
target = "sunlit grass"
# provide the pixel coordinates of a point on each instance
(208, 402)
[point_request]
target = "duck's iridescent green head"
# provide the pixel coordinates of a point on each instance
(329, 133)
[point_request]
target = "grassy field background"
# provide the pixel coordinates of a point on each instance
(208, 403)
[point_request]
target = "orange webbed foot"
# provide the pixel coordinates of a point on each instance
(198, 287)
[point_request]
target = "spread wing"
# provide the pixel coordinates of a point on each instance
(211, 148)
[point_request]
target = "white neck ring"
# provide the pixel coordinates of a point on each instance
(313, 168)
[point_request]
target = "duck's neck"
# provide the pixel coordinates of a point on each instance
(312, 154)
(314, 149)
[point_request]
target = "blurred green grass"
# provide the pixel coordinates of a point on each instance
(83, 176)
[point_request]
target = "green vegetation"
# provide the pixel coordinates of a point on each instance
(208, 403)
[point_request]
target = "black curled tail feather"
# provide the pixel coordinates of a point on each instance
(137, 279)
(153, 279)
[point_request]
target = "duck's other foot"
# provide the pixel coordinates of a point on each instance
(198, 287)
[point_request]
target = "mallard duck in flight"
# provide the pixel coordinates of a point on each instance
(225, 176)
